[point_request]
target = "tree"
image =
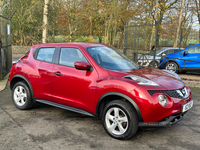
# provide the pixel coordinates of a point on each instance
(179, 23)
(72, 17)
(197, 4)
(45, 21)
(26, 23)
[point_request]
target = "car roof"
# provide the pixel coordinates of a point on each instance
(165, 48)
(74, 44)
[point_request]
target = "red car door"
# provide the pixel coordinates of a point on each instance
(42, 80)
(73, 87)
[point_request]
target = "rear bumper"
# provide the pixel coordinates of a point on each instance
(171, 120)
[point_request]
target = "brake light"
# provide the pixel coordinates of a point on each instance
(16, 61)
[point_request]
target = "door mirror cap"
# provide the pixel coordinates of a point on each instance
(184, 53)
(82, 65)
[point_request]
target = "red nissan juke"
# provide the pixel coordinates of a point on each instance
(98, 80)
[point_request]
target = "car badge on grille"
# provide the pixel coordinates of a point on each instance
(179, 92)
(183, 92)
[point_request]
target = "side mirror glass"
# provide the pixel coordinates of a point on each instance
(163, 54)
(82, 65)
(184, 53)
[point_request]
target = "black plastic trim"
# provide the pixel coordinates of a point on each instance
(124, 96)
(169, 121)
(29, 85)
(35, 52)
(56, 55)
(66, 107)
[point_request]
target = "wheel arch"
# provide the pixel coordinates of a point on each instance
(171, 61)
(18, 78)
(108, 97)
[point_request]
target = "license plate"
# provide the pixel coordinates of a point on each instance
(187, 106)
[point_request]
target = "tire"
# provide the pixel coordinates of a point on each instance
(21, 96)
(120, 120)
(172, 66)
(151, 64)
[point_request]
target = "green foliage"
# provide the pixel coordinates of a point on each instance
(95, 20)
(86, 39)
(59, 39)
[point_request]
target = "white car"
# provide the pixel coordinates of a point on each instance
(147, 59)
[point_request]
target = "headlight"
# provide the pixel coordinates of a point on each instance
(163, 100)
(142, 81)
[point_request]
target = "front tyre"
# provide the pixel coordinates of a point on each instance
(21, 96)
(172, 66)
(120, 120)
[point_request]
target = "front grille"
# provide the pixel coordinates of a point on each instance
(171, 93)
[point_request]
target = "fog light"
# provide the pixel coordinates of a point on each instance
(163, 100)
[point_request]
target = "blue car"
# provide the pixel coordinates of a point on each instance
(179, 62)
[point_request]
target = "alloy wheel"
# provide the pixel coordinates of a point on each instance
(116, 121)
(171, 67)
(20, 95)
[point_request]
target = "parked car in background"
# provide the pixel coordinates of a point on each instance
(99, 81)
(179, 63)
(147, 59)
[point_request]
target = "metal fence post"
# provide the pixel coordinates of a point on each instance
(1, 74)
(134, 42)
(180, 38)
(136, 54)
(156, 36)
(125, 39)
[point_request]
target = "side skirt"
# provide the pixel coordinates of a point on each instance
(66, 107)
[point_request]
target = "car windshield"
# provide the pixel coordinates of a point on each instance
(111, 58)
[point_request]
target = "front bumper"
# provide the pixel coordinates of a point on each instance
(171, 120)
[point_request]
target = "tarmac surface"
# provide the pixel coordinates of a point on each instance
(48, 128)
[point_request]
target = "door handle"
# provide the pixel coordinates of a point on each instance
(58, 73)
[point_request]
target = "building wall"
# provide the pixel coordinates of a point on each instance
(20, 49)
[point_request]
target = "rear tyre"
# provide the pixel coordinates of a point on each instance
(120, 120)
(21, 96)
(172, 66)
(152, 65)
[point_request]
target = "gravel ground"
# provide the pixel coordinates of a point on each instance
(191, 79)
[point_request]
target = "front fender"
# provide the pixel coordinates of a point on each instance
(131, 101)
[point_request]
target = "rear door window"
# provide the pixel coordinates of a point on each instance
(46, 54)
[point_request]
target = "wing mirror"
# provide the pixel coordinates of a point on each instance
(82, 65)
(184, 53)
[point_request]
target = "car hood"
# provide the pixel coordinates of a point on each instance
(163, 78)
